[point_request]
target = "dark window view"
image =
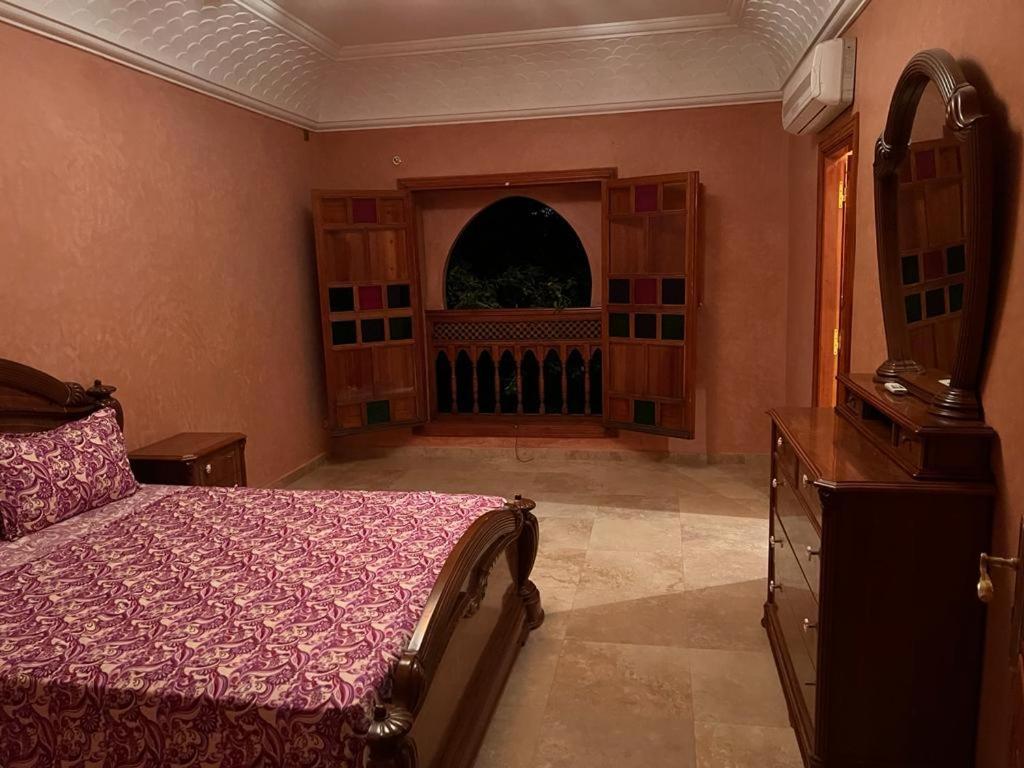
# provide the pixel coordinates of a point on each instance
(517, 252)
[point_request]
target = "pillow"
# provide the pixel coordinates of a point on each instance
(46, 477)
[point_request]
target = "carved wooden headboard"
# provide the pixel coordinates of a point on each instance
(33, 401)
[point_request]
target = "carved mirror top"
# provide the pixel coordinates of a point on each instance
(933, 221)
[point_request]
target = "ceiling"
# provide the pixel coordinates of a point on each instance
(360, 22)
(328, 65)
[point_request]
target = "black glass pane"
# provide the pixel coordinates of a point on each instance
(955, 260)
(398, 296)
(341, 299)
(956, 297)
(618, 291)
(935, 302)
(378, 412)
(373, 330)
(673, 327)
(443, 383)
(618, 325)
(343, 332)
(643, 412)
(673, 291)
(400, 327)
(912, 304)
(911, 271)
(645, 326)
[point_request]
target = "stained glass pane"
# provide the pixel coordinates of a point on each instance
(643, 412)
(673, 327)
(340, 299)
(935, 302)
(645, 326)
(364, 210)
(398, 296)
(673, 291)
(645, 198)
(370, 297)
(373, 330)
(911, 270)
(400, 328)
(343, 332)
(956, 297)
(955, 260)
(933, 265)
(912, 305)
(378, 412)
(645, 290)
(618, 291)
(618, 325)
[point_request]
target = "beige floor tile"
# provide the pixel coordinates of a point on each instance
(626, 529)
(558, 533)
(715, 504)
(738, 687)
(610, 577)
(546, 509)
(518, 721)
(609, 740)
(657, 620)
(721, 745)
(726, 617)
(637, 681)
(557, 575)
(720, 550)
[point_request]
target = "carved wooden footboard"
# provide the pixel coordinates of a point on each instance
(448, 681)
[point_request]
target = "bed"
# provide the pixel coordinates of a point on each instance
(251, 627)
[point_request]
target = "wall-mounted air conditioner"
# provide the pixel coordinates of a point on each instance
(820, 87)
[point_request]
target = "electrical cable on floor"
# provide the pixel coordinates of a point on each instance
(515, 444)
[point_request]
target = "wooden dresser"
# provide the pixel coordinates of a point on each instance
(871, 612)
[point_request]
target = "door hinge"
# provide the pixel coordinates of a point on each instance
(842, 194)
(835, 342)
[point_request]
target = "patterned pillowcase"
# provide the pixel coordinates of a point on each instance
(46, 477)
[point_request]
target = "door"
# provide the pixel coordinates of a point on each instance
(650, 301)
(370, 309)
(834, 281)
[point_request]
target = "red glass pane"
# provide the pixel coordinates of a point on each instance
(370, 297)
(645, 290)
(645, 198)
(364, 210)
(925, 161)
(933, 265)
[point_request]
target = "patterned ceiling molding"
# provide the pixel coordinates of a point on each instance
(253, 54)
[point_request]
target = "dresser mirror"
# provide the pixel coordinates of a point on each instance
(933, 221)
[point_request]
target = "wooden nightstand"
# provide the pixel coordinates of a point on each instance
(192, 458)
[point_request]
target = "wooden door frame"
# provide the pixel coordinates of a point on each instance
(411, 185)
(842, 134)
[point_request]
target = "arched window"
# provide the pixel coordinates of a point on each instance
(517, 252)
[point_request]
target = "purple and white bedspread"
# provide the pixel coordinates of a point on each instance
(215, 626)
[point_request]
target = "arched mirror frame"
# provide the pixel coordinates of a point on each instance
(965, 119)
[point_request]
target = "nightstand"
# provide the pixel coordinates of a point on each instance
(192, 458)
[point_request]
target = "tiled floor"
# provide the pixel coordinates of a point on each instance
(652, 577)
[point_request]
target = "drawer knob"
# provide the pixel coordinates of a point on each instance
(809, 625)
(779, 442)
(775, 483)
(812, 553)
(773, 542)
(208, 469)
(805, 480)
(774, 586)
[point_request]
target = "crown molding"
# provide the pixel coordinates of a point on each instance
(119, 54)
(582, 32)
(654, 105)
(274, 14)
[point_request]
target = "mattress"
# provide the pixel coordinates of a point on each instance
(215, 626)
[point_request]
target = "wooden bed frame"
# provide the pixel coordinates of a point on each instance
(480, 612)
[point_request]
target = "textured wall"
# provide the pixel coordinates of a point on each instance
(987, 42)
(160, 240)
(741, 154)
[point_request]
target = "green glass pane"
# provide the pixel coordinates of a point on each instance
(956, 297)
(400, 327)
(378, 412)
(673, 327)
(618, 325)
(911, 271)
(341, 299)
(343, 332)
(643, 412)
(912, 304)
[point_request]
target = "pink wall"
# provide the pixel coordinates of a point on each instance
(443, 215)
(987, 40)
(159, 240)
(741, 153)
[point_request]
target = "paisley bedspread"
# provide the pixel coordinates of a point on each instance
(217, 627)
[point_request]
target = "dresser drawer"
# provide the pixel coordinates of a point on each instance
(785, 459)
(797, 614)
(800, 531)
(222, 468)
(806, 489)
